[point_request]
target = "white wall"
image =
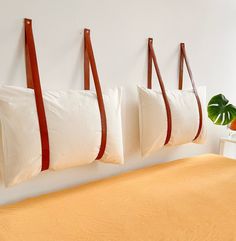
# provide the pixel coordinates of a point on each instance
(119, 32)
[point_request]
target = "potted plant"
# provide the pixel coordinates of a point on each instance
(221, 112)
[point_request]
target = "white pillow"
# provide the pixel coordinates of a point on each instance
(184, 113)
(74, 128)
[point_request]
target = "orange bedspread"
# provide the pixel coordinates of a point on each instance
(191, 199)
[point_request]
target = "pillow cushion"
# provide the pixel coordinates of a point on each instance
(184, 113)
(74, 128)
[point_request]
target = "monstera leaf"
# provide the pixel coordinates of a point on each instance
(220, 111)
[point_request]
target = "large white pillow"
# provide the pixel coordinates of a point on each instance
(184, 113)
(74, 128)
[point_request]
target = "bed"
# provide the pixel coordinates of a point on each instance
(191, 199)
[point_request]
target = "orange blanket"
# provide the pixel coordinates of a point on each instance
(191, 199)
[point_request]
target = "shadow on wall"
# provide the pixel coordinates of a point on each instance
(76, 73)
(16, 60)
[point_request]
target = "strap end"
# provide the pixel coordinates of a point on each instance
(27, 21)
(86, 31)
(150, 40)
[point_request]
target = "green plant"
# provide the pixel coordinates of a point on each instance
(220, 111)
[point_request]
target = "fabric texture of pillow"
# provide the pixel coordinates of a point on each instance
(74, 128)
(184, 113)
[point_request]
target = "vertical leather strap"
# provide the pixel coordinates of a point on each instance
(183, 57)
(149, 73)
(89, 60)
(33, 82)
(152, 57)
(86, 64)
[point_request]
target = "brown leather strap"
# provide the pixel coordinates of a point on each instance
(152, 57)
(86, 63)
(183, 57)
(90, 60)
(33, 82)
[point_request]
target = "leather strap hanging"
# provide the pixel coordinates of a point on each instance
(183, 57)
(89, 60)
(33, 82)
(152, 57)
